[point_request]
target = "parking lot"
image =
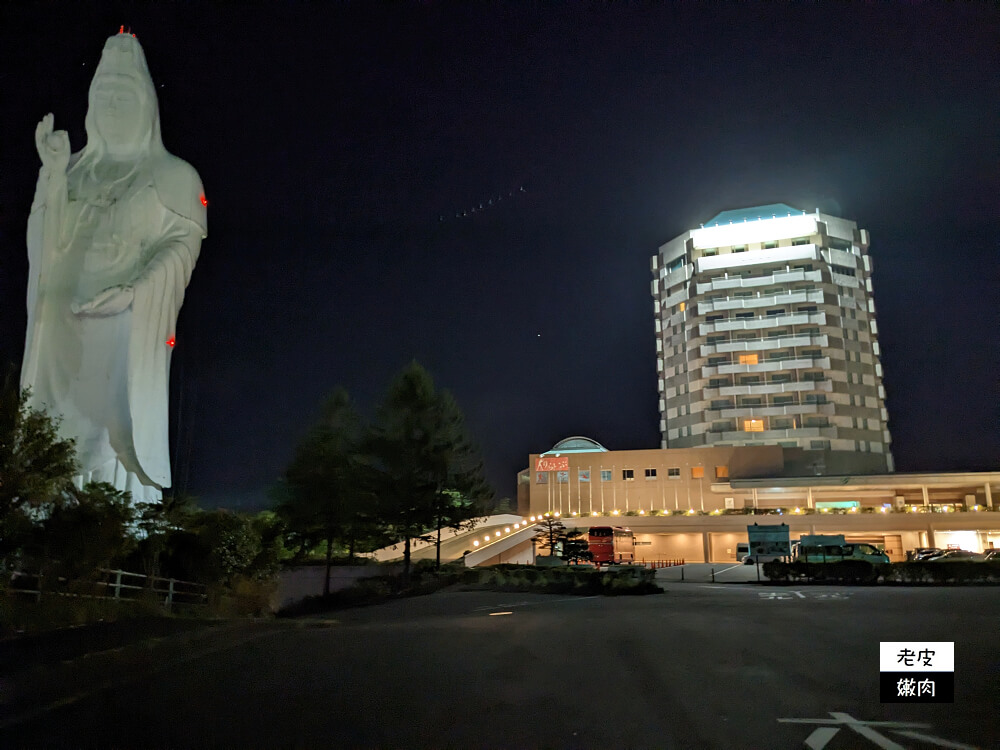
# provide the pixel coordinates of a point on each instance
(701, 666)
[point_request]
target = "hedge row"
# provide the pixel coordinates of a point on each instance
(564, 580)
(861, 571)
(521, 578)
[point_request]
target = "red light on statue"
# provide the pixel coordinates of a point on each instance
(121, 29)
(204, 200)
(171, 341)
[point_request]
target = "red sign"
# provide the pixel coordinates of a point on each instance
(552, 463)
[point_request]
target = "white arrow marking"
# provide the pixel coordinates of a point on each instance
(818, 739)
(934, 740)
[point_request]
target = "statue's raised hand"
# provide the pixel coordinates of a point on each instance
(53, 146)
(111, 301)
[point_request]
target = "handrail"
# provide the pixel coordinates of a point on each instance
(173, 588)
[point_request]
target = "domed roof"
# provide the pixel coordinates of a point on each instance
(576, 444)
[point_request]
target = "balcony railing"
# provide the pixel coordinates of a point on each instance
(764, 343)
(743, 282)
(747, 303)
(822, 363)
(767, 321)
(754, 389)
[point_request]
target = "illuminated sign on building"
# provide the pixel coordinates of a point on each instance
(552, 463)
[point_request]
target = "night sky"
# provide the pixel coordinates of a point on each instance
(337, 143)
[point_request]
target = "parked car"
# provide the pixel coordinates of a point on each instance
(921, 554)
(953, 554)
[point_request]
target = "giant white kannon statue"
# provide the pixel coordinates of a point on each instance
(114, 233)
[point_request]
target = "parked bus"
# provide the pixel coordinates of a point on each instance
(611, 544)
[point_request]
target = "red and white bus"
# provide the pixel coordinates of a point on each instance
(611, 544)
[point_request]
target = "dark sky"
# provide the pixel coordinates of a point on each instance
(332, 138)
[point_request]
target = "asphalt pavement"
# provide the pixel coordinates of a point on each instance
(701, 666)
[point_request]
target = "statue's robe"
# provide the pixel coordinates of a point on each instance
(108, 377)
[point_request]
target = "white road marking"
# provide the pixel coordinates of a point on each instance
(818, 739)
(737, 565)
(934, 740)
(799, 594)
(495, 614)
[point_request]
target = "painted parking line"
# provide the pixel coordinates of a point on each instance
(737, 565)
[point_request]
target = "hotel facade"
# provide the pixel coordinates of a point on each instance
(772, 408)
(766, 335)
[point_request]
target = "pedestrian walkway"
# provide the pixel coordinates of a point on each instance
(703, 573)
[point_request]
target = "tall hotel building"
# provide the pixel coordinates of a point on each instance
(766, 335)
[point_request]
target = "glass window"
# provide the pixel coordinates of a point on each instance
(770, 245)
(628, 475)
(697, 472)
(605, 475)
(819, 445)
(747, 359)
(650, 473)
(753, 425)
(674, 472)
(721, 472)
(744, 315)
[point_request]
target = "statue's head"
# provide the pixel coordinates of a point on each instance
(122, 120)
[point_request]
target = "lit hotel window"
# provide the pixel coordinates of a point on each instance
(748, 359)
(753, 425)
(697, 472)
(721, 472)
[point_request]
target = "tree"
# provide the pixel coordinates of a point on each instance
(429, 474)
(86, 530)
(327, 483)
(160, 523)
(36, 464)
(554, 536)
(460, 487)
